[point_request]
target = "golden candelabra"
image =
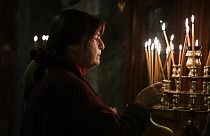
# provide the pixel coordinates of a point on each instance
(183, 91)
(175, 97)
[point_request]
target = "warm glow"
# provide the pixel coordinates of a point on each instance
(192, 19)
(156, 41)
(152, 47)
(145, 45)
(196, 42)
(180, 47)
(46, 37)
(186, 22)
(172, 37)
(163, 26)
(149, 42)
(35, 38)
(43, 37)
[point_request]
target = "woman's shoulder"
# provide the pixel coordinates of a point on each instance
(60, 76)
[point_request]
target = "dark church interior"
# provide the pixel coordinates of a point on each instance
(123, 71)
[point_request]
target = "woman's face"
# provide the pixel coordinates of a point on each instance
(93, 50)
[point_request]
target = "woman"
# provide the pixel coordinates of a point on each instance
(58, 99)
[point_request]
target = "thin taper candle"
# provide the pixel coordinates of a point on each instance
(148, 64)
(152, 62)
(160, 62)
(180, 53)
(193, 41)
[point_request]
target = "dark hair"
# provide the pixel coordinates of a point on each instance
(69, 27)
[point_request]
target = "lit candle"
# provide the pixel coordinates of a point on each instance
(167, 43)
(186, 22)
(167, 62)
(147, 59)
(172, 48)
(149, 52)
(152, 64)
(43, 39)
(35, 41)
(156, 42)
(187, 31)
(193, 41)
(187, 35)
(165, 36)
(182, 57)
(180, 53)
(196, 43)
(46, 37)
(160, 62)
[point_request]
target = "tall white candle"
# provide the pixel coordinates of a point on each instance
(165, 35)
(167, 62)
(193, 33)
(152, 64)
(160, 62)
(147, 59)
(150, 61)
(172, 48)
(187, 35)
(156, 43)
(193, 40)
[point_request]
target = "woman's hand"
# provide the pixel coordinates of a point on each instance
(150, 96)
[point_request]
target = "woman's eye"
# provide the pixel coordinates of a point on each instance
(96, 38)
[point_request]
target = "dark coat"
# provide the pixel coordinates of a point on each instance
(64, 104)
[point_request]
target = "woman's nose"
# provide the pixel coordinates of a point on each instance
(101, 45)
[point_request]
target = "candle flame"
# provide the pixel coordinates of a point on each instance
(152, 47)
(43, 37)
(192, 18)
(156, 41)
(145, 45)
(172, 37)
(35, 38)
(163, 26)
(186, 22)
(149, 42)
(180, 47)
(46, 37)
(196, 42)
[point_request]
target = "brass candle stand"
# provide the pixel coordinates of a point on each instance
(193, 62)
(172, 98)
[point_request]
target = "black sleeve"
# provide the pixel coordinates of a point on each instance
(136, 117)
